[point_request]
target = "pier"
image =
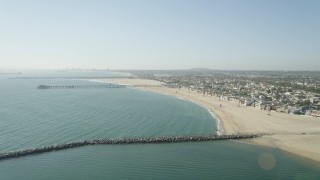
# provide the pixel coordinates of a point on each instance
(106, 141)
(81, 86)
(78, 77)
(99, 86)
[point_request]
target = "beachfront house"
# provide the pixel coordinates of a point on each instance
(315, 100)
(248, 102)
(260, 105)
(315, 113)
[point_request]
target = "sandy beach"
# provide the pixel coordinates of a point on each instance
(299, 135)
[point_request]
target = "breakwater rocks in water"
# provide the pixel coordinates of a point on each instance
(155, 140)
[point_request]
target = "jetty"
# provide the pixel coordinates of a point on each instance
(106, 141)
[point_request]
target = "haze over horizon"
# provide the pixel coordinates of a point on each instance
(177, 34)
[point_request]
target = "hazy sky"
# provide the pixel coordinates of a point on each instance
(162, 34)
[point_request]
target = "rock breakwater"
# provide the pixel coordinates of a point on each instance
(154, 140)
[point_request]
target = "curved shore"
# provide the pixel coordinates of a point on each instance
(147, 140)
(299, 135)
(220, 129)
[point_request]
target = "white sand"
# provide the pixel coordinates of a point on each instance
(288, 128)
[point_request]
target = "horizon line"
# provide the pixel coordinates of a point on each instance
(182, 69)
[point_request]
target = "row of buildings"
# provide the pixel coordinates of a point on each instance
(286, 92)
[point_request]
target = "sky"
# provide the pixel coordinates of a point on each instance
(160, 34)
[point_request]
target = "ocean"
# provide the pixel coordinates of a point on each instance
(30, 117)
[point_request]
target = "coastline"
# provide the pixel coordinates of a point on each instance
(220, 130)
(298, 135)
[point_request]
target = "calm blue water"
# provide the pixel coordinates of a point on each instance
(31, 118)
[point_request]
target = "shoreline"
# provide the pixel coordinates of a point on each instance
(293, 134)
(220, 130)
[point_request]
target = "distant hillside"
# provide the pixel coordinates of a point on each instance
(199, 69)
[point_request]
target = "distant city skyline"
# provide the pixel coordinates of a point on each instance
(160, 35)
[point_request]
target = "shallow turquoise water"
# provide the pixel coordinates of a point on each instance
(31, 118)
